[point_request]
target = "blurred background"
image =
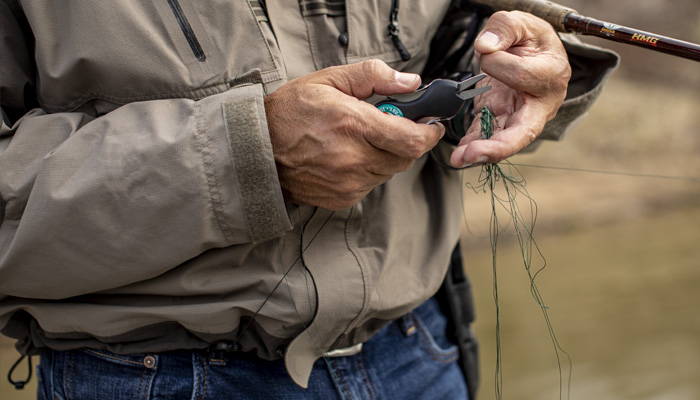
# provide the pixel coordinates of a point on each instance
(623, 253)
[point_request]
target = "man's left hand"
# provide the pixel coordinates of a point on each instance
(529, 72)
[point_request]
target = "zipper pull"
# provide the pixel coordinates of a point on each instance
(393, 28)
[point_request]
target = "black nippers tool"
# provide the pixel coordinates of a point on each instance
(441, 99)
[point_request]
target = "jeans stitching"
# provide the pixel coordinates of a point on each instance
(113, 358)
(67, 380)
(195, 377)
(149, 376)
(431, 346)
(205, 368)
(359, 360)
(142, 384)
(339, 380)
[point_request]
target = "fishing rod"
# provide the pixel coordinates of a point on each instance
(565, 19)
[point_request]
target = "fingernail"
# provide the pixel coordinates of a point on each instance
(489, 40)
(479, 160)
(405, 78)
(457, 157)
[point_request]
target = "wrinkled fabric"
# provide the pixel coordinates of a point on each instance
(140, 206)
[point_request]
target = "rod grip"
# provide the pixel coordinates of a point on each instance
(551, 12)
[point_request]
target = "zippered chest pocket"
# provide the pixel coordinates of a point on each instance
(186, 28)
(120, 51)
(231, 38)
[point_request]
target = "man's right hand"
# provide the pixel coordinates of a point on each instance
(330, 147)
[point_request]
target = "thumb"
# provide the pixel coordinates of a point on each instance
(506, 29)
(502, 30)
(365, 78)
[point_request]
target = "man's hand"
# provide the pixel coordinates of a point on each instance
(529, 72)
(330, 147)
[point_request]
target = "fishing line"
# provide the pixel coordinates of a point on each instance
(300, 257)
(505, 178)
(606, 172)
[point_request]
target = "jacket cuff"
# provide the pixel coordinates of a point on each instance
(590, 66)
(241, 176)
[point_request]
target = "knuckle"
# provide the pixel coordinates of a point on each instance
(350, 188)
(352, 162)
(564, 75)
(523, 73)
(439, 132)
(347, 123)
(530, 21)
(558, 81)
(372, 67)
(507, 19)
(522, 17)
(501, 16)
(416, 148)
(531, 134)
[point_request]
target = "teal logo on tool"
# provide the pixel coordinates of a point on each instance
(390, 109)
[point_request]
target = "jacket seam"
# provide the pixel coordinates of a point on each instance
(3, 205)
(363, 308)
(206, 157)
(192, 94)
(262, 35)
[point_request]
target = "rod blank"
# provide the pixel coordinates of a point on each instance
(565, 19)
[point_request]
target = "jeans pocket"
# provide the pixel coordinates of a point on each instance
(101, 375)
(430, 326)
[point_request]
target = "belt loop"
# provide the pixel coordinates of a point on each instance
(407, 323)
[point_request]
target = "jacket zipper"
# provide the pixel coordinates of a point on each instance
(187, 30)
(393, 29)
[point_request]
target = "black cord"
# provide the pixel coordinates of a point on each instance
(19, 385)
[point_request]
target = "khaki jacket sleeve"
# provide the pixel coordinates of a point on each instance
(590, 66)
(128, 195)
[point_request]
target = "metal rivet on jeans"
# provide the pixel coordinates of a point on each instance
(149, 362)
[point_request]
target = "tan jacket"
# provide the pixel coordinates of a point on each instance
(140, 207)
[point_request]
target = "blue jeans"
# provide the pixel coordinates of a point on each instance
(409, 359)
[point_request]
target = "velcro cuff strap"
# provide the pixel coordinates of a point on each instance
(254, 163)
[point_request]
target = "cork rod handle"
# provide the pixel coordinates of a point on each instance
(551, 12)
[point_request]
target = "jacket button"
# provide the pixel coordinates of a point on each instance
(343, 39)
(149, 362)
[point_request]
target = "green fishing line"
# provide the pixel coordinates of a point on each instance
(505, 186)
